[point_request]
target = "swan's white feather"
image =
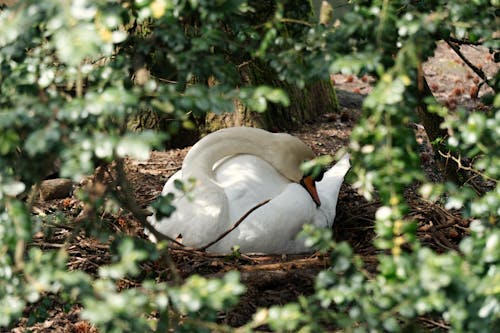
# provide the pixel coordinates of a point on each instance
(195, 213)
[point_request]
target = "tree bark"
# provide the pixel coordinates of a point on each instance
(432, 124)
(306, 105)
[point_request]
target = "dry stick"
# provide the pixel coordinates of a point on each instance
(292, 20)
(287, 265)
(124, 190)
(435, 323)
(241, 219)
(476, 70)
(467, 168)
(464, 41)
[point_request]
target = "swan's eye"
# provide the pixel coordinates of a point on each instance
(313, 170)
(319, 177)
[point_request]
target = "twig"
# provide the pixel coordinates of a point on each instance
(442, 241)
(241, 219)
(287, 265)
(460, 166)
(60, 225)
(79, 83)
(291, 20)
(463, 41)
(361, 228)
(476, 70)
(245, 63)
(435, 323)
(123, 191)
(446, 225)
(157, 163)
(164, 80)
(358, 217)
(49, 245)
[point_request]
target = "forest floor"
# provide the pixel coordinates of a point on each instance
(272, 279)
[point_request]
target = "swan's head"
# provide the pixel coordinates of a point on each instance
(291, 152)
(288, 154)
(283, 151)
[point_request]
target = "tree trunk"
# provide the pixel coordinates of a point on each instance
(432, 124)
(306, 105)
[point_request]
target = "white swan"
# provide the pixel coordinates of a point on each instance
(237, 168)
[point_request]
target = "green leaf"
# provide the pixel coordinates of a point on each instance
(74, 45)
(163, 205)
(285, 318)
(278, 96)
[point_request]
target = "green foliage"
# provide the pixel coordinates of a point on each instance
(72, 76)
(163, 205)
(316, 167)
(461, 288)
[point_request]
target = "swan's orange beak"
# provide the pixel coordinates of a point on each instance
(310, 186)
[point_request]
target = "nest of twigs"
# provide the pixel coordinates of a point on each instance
(270, 279)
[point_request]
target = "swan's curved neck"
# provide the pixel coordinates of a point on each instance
(199, 162)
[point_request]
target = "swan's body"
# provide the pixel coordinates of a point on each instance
(238, 168)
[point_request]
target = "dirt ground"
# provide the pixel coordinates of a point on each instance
(277, 279)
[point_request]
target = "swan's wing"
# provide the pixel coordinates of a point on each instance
(169, 185)
(196, 215)
(273, 228)
(247, 180)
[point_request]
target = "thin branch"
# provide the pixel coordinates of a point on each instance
(291, 20)
(435, 323)
(245, 63)
(475, 69)
(124, 191)
(164, 80)
(464, 41)
(235, 225)
(79, 83)
(60, 225)
(457, 160)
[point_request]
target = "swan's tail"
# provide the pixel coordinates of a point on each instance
(333, 178)
(340, 168)
(329, 188)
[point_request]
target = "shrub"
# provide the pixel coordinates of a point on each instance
(73, 74)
